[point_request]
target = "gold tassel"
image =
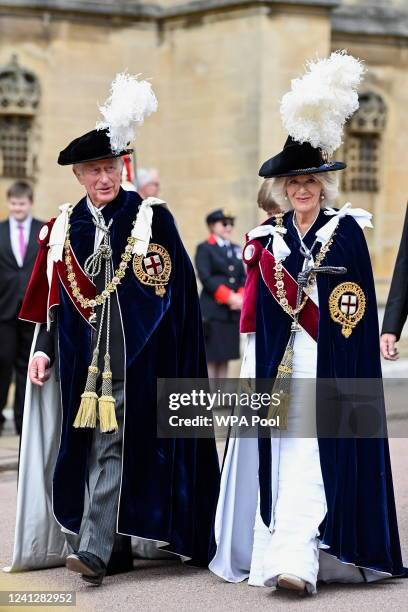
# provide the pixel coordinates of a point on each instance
(107, 414)
(86, 415)
(282, 388)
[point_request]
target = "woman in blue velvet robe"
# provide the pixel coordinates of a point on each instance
(293, 511)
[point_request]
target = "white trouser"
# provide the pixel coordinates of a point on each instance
(292, 545)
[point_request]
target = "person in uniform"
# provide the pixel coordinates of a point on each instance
(396, 309)
(109, 292)
(303, 501)
(221, 272)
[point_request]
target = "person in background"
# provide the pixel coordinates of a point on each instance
(396, 309)
(222, 274)
(18, 249)
(265, 199)
(148, 184)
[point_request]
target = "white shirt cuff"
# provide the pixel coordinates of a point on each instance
(41, 354)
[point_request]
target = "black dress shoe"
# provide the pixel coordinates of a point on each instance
(91, 568)
(121, 560)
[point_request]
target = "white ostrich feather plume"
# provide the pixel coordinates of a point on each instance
(320, 102)
(129, 102)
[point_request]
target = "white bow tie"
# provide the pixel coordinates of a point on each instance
(279, 247)
(362, 217)
(142, 229)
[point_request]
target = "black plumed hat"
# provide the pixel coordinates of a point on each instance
(296, 159)
(92, 146)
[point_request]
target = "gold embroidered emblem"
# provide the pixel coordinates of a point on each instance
(154, 268)
(347, 304)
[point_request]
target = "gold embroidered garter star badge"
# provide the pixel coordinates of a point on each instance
(347, 304)
(154, 268)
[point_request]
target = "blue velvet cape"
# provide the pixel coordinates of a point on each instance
(360, 526)
(169, 486)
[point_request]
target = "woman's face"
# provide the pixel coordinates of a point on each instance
(304, 192)
(223, 228)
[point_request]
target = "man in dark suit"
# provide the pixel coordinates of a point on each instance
(18, 250)
(396, 310)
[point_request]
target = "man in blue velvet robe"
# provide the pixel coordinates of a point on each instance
(120, 479)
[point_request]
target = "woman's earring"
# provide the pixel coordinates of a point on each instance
(286, 197)
(322, 196)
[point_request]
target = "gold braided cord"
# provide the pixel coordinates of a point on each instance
(109, 287)
(280, 278)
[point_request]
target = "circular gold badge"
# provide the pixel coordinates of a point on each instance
(154, 268)
(347, 306)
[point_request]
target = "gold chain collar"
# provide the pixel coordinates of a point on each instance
(280, 278)
(110, 287)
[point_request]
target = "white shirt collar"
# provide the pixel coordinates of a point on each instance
(93, 209)
(96, 213)
(26, 223)
(221, 242)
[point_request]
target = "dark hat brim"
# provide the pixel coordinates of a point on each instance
(296, 159)
(329, 167)
(91, 159)
(92, 146)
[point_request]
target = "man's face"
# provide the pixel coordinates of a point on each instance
(101, 179)
(20, 208)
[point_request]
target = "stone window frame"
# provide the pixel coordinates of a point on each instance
(363, 143)
(20, 95)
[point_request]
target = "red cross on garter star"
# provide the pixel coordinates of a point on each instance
(153, 265)
(348, 303)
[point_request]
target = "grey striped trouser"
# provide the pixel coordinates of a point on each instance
(98, 527)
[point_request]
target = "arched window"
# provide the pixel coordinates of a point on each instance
(19, 101)
(362, 144)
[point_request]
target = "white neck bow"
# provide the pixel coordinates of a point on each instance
(361, 216)
(279, 247)
(142, 229)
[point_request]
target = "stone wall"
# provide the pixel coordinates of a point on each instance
(386, 57)
(219, 70)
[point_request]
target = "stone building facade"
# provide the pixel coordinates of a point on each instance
(219, 68)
